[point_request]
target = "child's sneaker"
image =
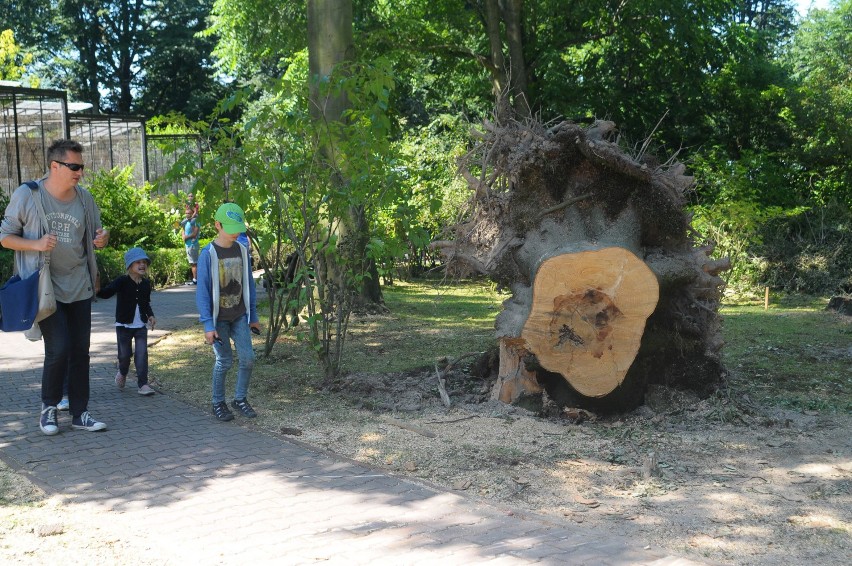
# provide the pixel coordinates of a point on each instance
(146, 390)
(120, 380)
(86, 422)
(62, 405)
(222, 412)
(47, 423)
(242, 405)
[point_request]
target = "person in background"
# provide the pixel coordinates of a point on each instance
(190, 240)
(227, 307)
(133, 316)
(74, 231)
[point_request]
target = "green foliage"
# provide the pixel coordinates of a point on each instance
(795, 250)
(430, 196)
(285, 169)
(131, 216)
(7, 258)
(820, 106)
(142, 56)
(257, 36)
(808, 251)
(13, 60)
(168, 265)
(178, 70)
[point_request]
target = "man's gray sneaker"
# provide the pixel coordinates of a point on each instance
(47, 423)
(86, 422)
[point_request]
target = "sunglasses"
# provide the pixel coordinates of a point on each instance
(72, 166)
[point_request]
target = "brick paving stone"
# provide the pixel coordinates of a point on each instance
(219, 493)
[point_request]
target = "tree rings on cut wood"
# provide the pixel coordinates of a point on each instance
(588, 315)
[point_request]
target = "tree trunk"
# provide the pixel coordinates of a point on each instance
(609, 291)
(330, 44)
(495, 43)
(512, 15)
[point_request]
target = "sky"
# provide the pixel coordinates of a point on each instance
(804, 5)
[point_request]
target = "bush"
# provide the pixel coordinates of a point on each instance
(809, 252)
(797, 250)
(7, 258)
(131, 215)
(168, 265)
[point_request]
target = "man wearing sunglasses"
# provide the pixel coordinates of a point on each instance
(72, 233)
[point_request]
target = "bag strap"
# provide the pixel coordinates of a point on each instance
(33, 185)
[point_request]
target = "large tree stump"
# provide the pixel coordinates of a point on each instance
(608, 286)
(588, 314)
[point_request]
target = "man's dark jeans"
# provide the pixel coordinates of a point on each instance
(67, 335)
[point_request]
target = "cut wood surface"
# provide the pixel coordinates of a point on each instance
(588, 316)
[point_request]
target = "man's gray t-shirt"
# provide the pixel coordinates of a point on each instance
(68, 268)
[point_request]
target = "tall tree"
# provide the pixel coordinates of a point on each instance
(820, 109)
(123, 55)
(13, 60)
(330, 49)
(179, 71)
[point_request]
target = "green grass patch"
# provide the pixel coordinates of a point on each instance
(427, 320)
(793, 354)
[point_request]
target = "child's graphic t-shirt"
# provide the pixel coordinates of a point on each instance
(231, 304)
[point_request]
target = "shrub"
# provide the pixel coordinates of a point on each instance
(130, 214)
(168, 265)
(809, 252)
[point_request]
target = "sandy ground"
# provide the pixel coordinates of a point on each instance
(720, 480)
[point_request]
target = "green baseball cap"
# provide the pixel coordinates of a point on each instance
(232, 218)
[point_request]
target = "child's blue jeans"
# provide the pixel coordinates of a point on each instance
(238, 331)
(125, 337)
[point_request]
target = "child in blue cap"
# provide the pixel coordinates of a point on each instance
(133, 316)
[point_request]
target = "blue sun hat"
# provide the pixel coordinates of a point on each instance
(134, 254)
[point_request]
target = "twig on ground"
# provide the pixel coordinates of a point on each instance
(441, 375)
(453, 420)
(412, 428)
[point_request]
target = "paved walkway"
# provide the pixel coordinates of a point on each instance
(203, 492)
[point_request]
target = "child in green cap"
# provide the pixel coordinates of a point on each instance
(227, 307)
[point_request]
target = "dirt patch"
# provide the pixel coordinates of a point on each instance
(718, 479)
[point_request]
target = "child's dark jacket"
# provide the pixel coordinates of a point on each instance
(129, 294)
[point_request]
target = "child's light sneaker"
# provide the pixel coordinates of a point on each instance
(62, 405)
(120, 380)
(146, 390)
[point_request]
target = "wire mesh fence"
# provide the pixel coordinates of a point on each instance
(31, 119)
(164, 151)
(111, 141)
